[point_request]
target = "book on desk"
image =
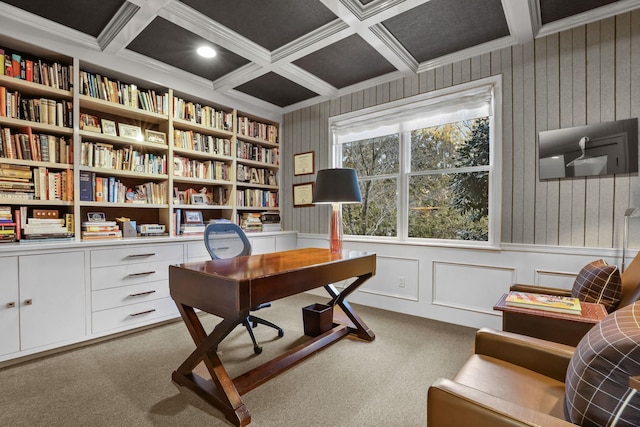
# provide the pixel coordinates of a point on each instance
(558, 304)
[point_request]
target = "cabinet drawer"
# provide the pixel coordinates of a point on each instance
(196, 251)
(131, 316)
(135, 254)
(130, 274)
(127, 295)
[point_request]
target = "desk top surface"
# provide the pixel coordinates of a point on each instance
(247, 268)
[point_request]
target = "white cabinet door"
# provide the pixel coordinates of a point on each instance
(52, 298)
(9, 311)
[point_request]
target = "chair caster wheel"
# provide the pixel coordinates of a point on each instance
(280, 333)
(257, 349)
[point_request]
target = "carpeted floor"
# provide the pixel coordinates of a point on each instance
(127, 381)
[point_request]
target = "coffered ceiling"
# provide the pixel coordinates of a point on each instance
(282, 55)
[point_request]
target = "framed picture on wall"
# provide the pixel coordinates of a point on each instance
(302, 195)
(303, 164)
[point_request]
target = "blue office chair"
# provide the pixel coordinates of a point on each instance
(227, 240)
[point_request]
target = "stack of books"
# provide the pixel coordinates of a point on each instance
(554, 303)
(192, 229)
(98, 230)
(250, 222)
(15, 182)
(7, 226)
(270, 221)
(45, 229)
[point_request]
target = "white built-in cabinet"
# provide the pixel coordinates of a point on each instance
(44, 301)
(56, 295)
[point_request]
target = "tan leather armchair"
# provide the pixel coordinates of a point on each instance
(511, 380)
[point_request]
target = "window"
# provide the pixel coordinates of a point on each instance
(427, 166)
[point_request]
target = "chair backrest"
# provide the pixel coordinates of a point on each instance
(226, 240)
(631, 283)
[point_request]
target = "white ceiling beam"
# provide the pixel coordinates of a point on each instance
(520, 19)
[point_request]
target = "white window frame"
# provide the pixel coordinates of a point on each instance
(357, 123)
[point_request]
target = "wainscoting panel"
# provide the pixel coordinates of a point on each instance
(469, 286)
(395, 278)
(555, 279)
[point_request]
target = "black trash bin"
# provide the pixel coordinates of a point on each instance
(317, 319)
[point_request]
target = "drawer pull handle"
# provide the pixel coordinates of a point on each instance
(139, 294)
(140, 255)
(11, 304)
(144, 273)
(28, 302)
(143, 312)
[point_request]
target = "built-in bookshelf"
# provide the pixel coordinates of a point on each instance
(122, 146)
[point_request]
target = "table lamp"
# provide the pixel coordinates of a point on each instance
(336, 186)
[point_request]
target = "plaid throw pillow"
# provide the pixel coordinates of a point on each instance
(597, 381)
(600, 283)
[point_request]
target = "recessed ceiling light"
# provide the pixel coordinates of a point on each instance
(206, 52)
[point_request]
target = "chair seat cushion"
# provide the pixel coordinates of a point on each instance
(597, 381)
(514, 384)
(600, 283)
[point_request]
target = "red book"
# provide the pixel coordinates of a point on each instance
(29, 70)
(16, 215)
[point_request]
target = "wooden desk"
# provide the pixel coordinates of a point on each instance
(229, 288)
(557, 327)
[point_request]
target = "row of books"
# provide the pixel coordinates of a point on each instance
(26, 145)
(208, 169)
(254, 129)
(202, 114)
(97, 86)
(245, 173)
(112, 190)
(40, 110)
(7, 225)
(106, 156)
(49, 73)
(200, 142)
(253, 197)
(257, 153)
(53, 184)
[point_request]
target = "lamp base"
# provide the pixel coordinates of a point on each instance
(335, 232)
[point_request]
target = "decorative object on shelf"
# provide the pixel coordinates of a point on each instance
(130, 131)
(153, 136)
(303, 164)
(302, 194)
(336, 186)
(90, 123)
(199, 199)
(109, 127)
(192, 217)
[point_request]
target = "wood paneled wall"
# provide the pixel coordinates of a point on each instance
(589, 74)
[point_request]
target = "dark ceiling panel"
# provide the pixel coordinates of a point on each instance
(441, 27)
(274, 88)
(269, 23)
(554, 10)
(173, 45)
(346, 62)
(89, 17)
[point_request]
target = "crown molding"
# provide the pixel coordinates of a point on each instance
(117, 23)
(323, 36)
(587, 17)
(468, 53)
(399, 57)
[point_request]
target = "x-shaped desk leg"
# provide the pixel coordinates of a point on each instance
(362, 330)
(222, 393)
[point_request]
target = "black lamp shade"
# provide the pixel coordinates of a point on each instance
(336, 186)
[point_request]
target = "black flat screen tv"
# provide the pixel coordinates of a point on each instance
(601, 149)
